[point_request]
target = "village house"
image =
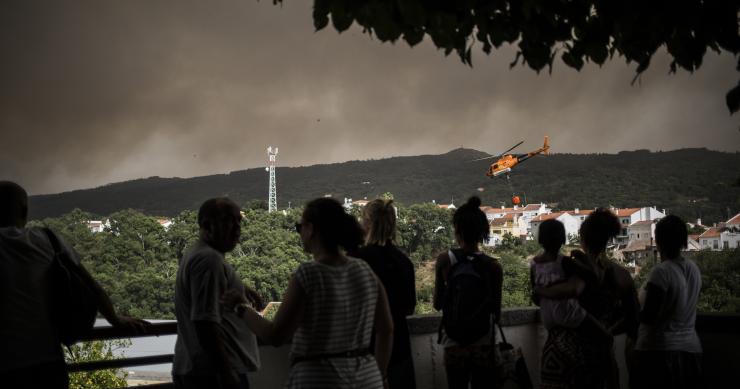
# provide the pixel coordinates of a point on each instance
(508, 224)
(570, 223)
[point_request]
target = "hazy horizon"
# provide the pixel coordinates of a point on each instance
(108, 91)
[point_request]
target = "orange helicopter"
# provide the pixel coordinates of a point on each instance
(506, 162)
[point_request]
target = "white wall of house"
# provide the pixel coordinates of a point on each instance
(570, 223)
(729, 240)
(710, 243)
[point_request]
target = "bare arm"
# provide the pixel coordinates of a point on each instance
(105, 305)
(383, 330)
(535, 296)
(440, 279)
(287, 319)
(571, 288)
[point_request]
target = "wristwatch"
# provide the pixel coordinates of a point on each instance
(239, 309)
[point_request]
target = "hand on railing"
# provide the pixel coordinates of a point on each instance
(138, 326)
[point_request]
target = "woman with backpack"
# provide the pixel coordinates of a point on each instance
(395, 270)
(468, 291)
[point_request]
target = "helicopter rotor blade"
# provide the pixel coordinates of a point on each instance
(500, 155)
(484, 158)
(512, 148)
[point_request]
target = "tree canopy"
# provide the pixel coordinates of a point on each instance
(577, 31)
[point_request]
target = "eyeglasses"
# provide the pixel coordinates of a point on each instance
(298, 227)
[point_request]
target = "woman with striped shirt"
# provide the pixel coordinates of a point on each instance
(331, 308)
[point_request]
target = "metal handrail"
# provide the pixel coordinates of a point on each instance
(108, 332)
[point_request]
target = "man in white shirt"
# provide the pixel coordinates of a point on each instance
(214, 347)
(668, 350)
(31, 355)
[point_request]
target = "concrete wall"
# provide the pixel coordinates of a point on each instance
(720, 335)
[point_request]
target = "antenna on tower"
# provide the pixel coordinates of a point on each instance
(272, 196)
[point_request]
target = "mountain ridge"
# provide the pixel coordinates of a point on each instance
(693, 182)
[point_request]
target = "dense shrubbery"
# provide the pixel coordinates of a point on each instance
(135, 259)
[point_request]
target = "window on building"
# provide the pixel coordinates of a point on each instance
(638, 235)
(715, 244)
(726, 245)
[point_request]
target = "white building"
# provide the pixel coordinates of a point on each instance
(642, 230)
(710, 239)
(96, 226)
(630, 216)
(725, 236)
(571, 223)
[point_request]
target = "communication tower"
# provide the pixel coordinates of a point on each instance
(272, 196)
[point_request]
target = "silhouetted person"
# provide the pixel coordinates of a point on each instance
(31, 355)
(331, 308)
(214, 347)
(546, 270)
(467, 289)
(668, 350)
(396, 272)
(583, 357)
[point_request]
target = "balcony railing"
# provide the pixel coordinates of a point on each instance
(720, 335)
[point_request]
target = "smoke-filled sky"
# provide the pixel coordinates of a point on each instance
(93, 92)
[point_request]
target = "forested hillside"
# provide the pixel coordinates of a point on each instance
(691, 183)
(135, 259)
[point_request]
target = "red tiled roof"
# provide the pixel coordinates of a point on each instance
(712, 232)
(694, 237)
(547, 216)
(626, 211)
(580, 212)
(642, 223)
(734, 220)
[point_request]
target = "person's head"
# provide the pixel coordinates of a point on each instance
(379, 221)
(219, 220)
(671, 235)
(600, 226)
(551, 235)
(471, 224)
(326, 226)
(13, 205)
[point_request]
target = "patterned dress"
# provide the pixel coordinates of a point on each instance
(576, 357)
(339, 316)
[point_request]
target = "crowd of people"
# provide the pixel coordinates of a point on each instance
(345, 311)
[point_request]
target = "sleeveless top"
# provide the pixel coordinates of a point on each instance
(338, 317)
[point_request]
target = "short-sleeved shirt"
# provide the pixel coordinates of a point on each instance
(26, 333)
(680, 281)
(202, 277)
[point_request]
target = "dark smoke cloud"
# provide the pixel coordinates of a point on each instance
(100, 91)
